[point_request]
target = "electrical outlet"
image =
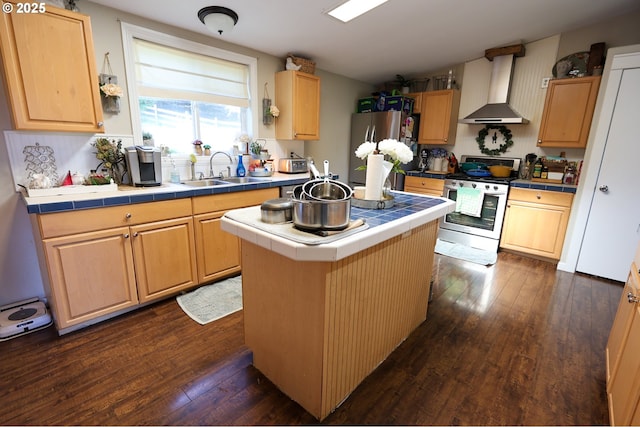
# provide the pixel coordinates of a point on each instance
(545, 82)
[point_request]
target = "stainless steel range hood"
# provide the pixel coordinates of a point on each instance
(497, 109)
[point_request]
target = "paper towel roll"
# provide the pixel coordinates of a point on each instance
(374, 182)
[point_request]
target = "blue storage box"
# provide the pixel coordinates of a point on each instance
(399, 103)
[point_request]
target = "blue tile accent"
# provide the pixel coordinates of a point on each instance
(56, 207)
(141, 198)
(164, 196)
(84, 204)
(120, 200)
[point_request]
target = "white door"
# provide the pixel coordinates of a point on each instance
(613, 227)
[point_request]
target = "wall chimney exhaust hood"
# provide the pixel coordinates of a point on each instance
(498, 109)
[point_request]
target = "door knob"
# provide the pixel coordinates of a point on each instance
(632, 298)
(604, 188)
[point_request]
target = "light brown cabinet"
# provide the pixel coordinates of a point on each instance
(49, 70)
(428, 186)
(439, 117)
(623, 347)
(417, 101)
(218, 252)
(536, 221)
(568, 111)
(102, 261)
(298, 99)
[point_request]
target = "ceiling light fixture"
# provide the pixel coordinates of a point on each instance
(354, 8)
(218, 19)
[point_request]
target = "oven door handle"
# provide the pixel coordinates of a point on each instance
(484, 192)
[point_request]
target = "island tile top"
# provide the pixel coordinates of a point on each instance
(409, 211)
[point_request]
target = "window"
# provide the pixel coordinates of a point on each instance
(182, 91)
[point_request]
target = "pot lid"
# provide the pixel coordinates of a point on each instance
(279, 204)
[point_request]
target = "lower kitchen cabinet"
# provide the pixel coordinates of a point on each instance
(536, 221)
(101, 261)
(623, 347)
(164, 257)
(218, 252)
(428, 186)
(90, 275)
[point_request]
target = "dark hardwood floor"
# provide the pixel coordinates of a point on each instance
(518, 343)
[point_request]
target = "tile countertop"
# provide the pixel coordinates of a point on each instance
(409, 211)
(519, 183)
(127, 195)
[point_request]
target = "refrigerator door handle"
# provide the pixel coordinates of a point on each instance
(366, 135)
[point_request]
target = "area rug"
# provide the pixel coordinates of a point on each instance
(467, 253)
(213, 302)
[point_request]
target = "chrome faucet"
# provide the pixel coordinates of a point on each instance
(211, 163)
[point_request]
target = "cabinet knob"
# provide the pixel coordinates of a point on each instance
(446, 139)
(538, 196)
(126, 235)
(127, 215)
(539, 141)
(100, 124)
(135, 234)
(632, 298)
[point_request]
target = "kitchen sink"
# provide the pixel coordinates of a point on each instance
(204, 183)
(244, 179)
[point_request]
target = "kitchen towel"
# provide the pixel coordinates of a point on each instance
(469, 201)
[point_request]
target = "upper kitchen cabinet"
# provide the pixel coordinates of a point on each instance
(439, 117)
(49, 70)
(568, 110)
(298, 99)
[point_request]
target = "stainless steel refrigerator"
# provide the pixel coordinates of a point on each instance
(375, 127)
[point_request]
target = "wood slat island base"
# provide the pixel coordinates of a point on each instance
(318, 328)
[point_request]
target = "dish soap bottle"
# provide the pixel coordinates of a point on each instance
(240, 171)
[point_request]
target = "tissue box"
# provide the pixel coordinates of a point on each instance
(399, 103)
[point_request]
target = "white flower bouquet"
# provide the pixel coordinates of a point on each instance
(396, 151)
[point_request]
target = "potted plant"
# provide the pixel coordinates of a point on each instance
(257, 149)
(405, 84)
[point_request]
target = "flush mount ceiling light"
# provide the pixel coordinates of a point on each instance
(218, 19)
(354, 8)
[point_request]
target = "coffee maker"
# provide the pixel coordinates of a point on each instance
(145, 165)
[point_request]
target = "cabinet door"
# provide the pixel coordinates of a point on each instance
(50, 87)
(621, 324)
(417, 103)
(535, 229)
(298, 98)
(568, 110)
(307, 107)
(90, 275)
(165, 258)
(438, 115)
(624, 389)
(218, 252)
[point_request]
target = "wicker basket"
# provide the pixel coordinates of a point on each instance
(306, 65)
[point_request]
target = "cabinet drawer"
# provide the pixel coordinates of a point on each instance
(64, 223)
(541, 196)
(417, 184)
(239, 199)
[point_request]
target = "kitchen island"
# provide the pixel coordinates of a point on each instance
(321, 317)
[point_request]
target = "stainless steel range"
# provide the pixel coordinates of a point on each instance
(480, 205)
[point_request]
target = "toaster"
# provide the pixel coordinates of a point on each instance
(291, 165)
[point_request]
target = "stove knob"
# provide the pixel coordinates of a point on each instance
(495, 187)
(473, 185)
(460, 184)
(487, 186)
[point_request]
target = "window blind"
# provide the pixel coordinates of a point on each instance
(166, 72)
